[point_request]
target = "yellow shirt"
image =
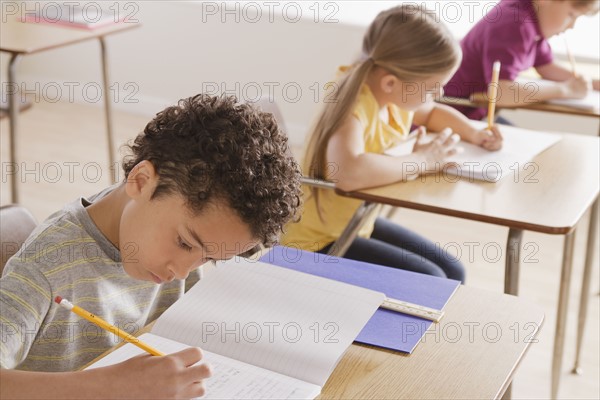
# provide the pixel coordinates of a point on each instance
(311, 233)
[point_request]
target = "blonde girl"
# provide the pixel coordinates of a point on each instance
(407, 57)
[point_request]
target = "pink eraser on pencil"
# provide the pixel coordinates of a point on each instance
(58, 299)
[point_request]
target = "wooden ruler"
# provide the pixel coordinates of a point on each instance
(416, 310)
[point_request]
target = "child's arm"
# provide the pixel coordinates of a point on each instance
(437, 117)
(357, 169)
(141, 377)
(556, 72)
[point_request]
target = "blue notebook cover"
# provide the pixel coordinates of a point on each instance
(388, 329)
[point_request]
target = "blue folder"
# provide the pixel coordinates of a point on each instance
(387, 329)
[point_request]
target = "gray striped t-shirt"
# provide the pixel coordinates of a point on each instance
(68, 256)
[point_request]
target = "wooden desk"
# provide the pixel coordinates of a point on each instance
(451, 365)
(587, 273)
(472, 353)
(537, 106)
(20, 39)
(567, 186)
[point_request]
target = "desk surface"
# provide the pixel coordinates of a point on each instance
(538, 106)
(472, 353)
(25, 38)
(548, 195)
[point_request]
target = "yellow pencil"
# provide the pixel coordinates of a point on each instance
(493, 93)
(571, 57)
(105, 325)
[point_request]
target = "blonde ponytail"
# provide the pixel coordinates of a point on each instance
(333, 115)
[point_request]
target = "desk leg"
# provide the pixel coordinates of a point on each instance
(507, 393)
(391, 212)
(585, 284)
(13, 124)
(513, 254)
(108, 113)
(341, 245)
(511, 274)
(561, 314)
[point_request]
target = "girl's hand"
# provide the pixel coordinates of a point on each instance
(489, 139)
(152, 377)
(435, 152)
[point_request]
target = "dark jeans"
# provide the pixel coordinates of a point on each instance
(397, 247)
(501, 120)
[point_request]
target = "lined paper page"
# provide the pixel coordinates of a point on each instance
(231, 379)
(519, 147)
(523, 143)
(591, 102)
(289, 322)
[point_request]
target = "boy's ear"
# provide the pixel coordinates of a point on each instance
(142, 180)
(388, 82)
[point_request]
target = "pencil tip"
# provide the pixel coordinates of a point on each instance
(58, 299)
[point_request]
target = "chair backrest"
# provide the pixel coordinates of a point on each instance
(16, 224)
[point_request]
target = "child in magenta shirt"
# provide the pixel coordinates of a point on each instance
(515, 32)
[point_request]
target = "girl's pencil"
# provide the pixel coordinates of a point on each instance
(493, 93)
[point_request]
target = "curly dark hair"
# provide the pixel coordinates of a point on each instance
(209, 149)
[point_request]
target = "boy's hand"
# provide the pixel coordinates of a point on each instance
(434, 152)
(576, 87)
(489, 139)
(169, 377)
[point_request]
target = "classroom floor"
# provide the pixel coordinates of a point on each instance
(62, 149)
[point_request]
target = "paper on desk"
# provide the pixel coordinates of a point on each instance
(231, 379)
(591, 102)
(473, 162)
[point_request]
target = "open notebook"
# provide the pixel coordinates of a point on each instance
(475, 163)
(590, 103)
(268, 332)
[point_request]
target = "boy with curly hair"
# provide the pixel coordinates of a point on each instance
(208, 179)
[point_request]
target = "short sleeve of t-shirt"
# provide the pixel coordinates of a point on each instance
(25, 298)
(543, 54)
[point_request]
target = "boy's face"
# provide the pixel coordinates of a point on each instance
(558, 16)
(161, 240)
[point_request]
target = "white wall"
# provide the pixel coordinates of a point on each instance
(183, 48)
(461, 15)
(175, 54)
